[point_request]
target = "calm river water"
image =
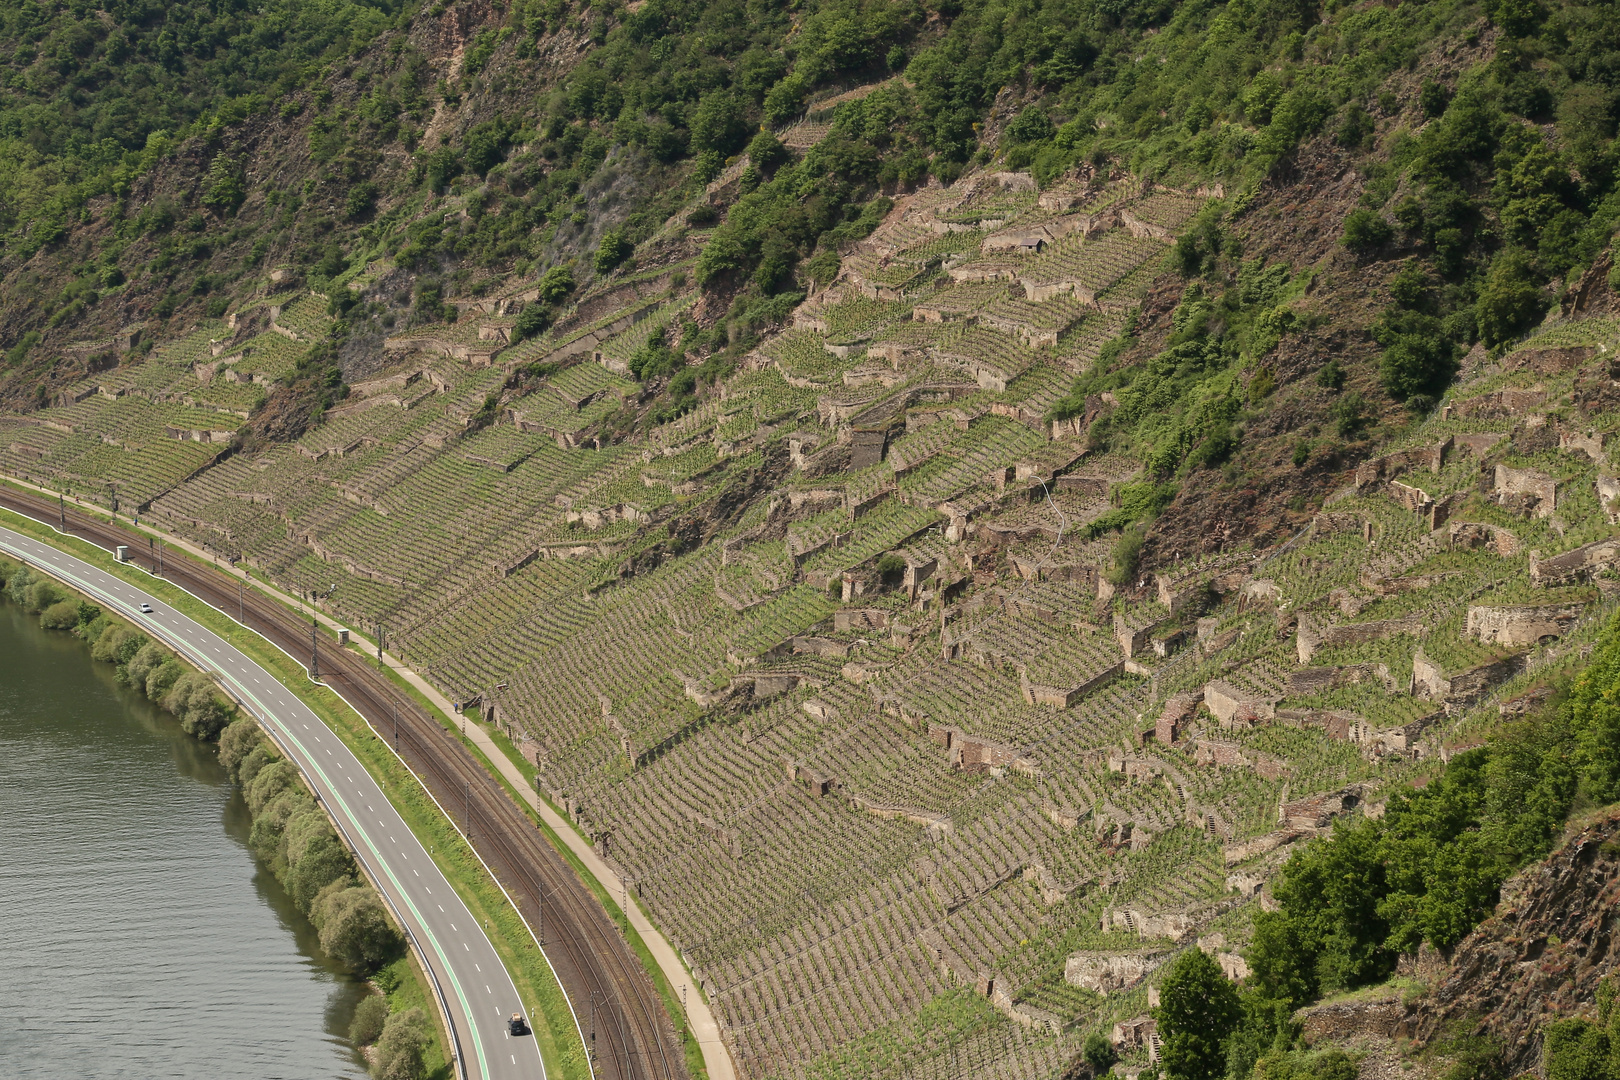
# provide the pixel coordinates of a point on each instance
(138, 936)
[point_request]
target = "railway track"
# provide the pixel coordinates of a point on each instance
(627, 1031)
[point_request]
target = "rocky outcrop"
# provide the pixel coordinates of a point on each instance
(1539, 957)
(1574, 567)
(1527, 491)
(1106, 973)
(1521, 624)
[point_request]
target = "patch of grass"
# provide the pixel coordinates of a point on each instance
(559, 1041)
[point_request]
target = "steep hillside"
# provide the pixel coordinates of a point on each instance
(949, 499)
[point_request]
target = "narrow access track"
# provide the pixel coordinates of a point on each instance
(474, 987)
(627, 1031)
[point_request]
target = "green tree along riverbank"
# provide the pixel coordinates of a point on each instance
(561, 1047)
(291, 835)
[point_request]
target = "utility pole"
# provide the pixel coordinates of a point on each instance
(61, 510)
(379, 641)
(466, 815)
(394, 706)
(160, 560)
(241, 607)
(314, 649)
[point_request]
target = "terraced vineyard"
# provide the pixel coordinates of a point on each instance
(830, 665)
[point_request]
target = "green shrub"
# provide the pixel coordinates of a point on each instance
(62, 615)
(1098, 1053)
(118, 645)
(1410, 285)
(1429, 869)
(1511, 300)
(354, 927)
(163, 678)
(318, 860)
(1356, 128)
(821, 268)
(1418, 358)
(369, 1017)
(268, 782)
(613, 250)
(150, 657)
(1127, 554)
(19, 352)
(1348, 415)
(1576, 1049)
(1031, 125)
(531, 322)
(401, 1046)
(1331, 374)
(766, 152)
(360, 201)
(654, 359)
(236, 742)
(223, 188)
(17, 583)
(1433, 99)
(1198, 1009)
(556, 283)
(1284, 1064)
(1366, 231)
(255, 761)
(40, 595)
(194, 699)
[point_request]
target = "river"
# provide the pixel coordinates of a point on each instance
(139, 937)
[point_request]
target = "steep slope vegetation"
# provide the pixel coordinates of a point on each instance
(948, 498)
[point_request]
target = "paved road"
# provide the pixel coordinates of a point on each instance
(477, 991)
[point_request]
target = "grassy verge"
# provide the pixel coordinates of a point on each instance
(559, 1042)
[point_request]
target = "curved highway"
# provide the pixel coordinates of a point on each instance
(473, 984)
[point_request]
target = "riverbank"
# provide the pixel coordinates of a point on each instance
(703, 1049)
(557, 1038)
(139, 925)
(289, 835)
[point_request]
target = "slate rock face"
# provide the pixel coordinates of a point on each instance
(1539, 957)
